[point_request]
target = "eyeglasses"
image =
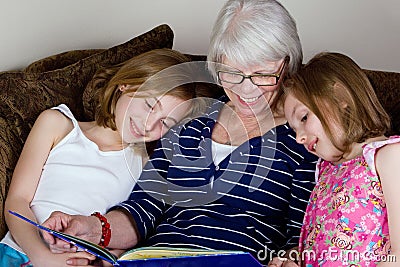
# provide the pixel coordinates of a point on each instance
(260, 79)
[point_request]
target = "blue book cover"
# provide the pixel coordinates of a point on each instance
(158, 256)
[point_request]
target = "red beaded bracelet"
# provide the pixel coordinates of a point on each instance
(105, 229)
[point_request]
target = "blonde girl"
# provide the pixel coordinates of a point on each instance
(86, 167)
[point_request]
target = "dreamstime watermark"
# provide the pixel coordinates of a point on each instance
(331, 255)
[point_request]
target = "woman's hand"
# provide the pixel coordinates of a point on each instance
(80, 226)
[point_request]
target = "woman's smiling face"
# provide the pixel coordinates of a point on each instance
(309, 130)
(248, 98)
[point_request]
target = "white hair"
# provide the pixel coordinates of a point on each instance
(250, 32)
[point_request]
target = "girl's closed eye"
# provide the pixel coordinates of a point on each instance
(304, 118)
(151, 108)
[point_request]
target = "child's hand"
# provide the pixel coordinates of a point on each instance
(116, 252)
(48, 259)
(282, 262)
(98, 262)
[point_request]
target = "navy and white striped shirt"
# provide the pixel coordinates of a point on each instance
(253, 200)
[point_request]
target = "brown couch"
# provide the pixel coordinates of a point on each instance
(65, 78)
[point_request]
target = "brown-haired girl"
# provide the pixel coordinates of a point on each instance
(336, 115)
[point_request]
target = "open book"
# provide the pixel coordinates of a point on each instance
(157, 256)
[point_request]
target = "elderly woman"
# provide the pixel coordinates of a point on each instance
(235, 178)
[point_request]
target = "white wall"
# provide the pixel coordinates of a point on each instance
(367, 30)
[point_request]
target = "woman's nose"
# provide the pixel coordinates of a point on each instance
(247, 86)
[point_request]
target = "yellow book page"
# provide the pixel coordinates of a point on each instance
(151, 253)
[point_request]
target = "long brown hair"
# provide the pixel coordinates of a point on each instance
(142, 73)
(339, 93)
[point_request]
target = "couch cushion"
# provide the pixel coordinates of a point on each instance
(24, 94)
(387, 88)
(61, 60)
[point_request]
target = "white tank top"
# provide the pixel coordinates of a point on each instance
(78, 178)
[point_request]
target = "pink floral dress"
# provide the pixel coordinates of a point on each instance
(346, 218)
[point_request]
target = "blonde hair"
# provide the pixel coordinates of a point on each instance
(137, 73)
(339, 93)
